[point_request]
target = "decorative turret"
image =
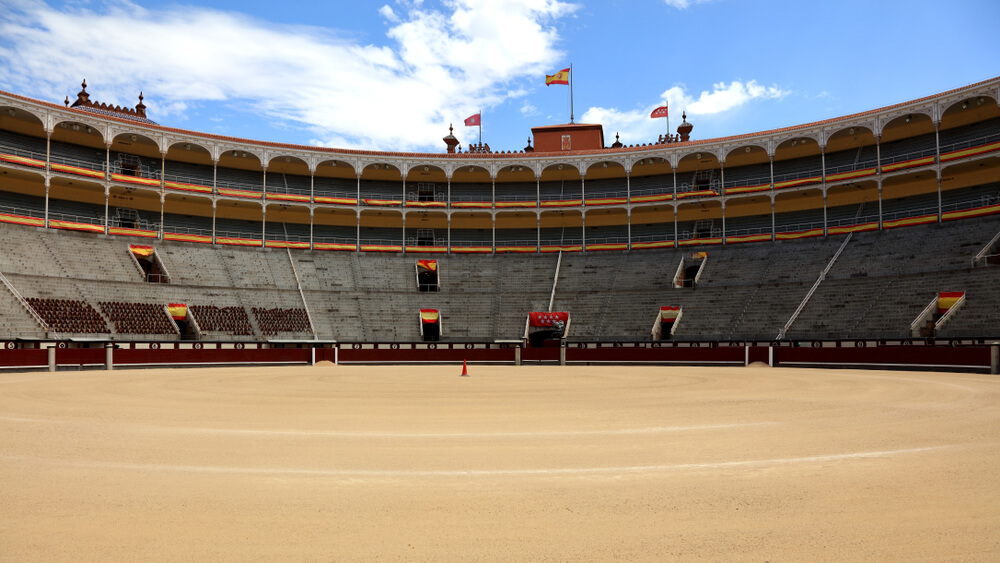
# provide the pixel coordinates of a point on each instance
(83, 102)
(617, 144)
(82, 97)
(529, 148)
(450, 140)
(140, 108)
(684, 129)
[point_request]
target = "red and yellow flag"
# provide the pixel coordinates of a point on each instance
(141, 249)
(669, 314)
(431, 265)
(947, 300)
(429, 316)
(178, 311)
(699, 255)
(561, 77)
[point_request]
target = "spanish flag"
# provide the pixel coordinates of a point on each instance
(699, 255)
(429, 316)
(947, 300)
(561, 77)
(141, 249)
(669, 314)
(178, 311)
(431, 265)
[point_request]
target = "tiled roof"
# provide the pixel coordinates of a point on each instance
(506, 155)
(108, 113)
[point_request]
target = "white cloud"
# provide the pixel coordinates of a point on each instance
(684, 4)
(438, 64)
(388, 14)
(637, 127)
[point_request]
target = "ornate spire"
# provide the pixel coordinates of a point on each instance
(450, 139)
(684, 129)
(529, 148)
(617, 144)
(140, 108)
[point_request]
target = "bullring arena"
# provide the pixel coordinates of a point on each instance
(332, 463)
(779, 346)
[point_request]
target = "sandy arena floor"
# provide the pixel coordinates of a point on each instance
(512, 464)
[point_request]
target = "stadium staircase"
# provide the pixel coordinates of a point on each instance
(812, 290)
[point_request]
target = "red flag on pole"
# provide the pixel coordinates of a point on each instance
(474, 120)
(659, 112)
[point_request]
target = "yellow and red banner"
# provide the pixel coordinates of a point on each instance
(429, 316)
(77, 170)
(23, 160)
(21, 220)
(74, 226)
(431, 265)
(561, 77)
(966, 213)
(748, 238)
(178, 311)
(669, 313)
(183, 237)
(700, 255)
(852, 229)
(983, 149)
(606, 201)
(288, 197)
(563, 248)
(381, 248)
(510, 204)
(132, 232)
(188, 187)
(516, 249)
(427, 249)
(652, 198)
(336, 200)
(697, 193)
(653, 244)
(383, 202)
(748, 189)
(472, 249)
(608, 246)
(700, 241)
(909, 221)
(798, 182)
(142, 250)
(850, 175)
(927, 160)
(334, 246)
(559, 203)
(240, 193)
(426, 204)
(474, 204)
(135, 180)
(286, 244)
(947, 300)
(818, 232)
(233, 241)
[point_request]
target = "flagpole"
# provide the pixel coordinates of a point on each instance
(571, 92)
(481, 128)
(668, 120)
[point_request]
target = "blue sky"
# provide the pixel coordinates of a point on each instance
(392, 75)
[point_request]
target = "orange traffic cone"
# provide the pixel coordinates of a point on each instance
(465, 369)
